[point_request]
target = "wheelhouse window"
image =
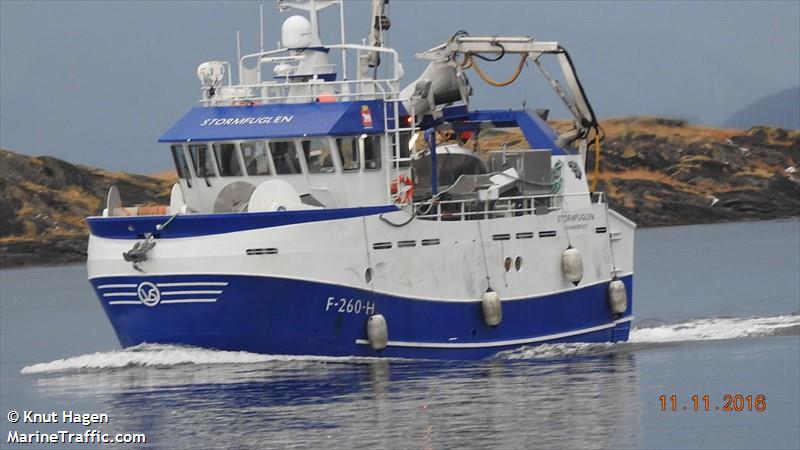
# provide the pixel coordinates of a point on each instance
(202, 160)
(284, 156)
(349, 154)
(352, 149)
(256, 158)
(181, 166)
(227, 160)
(372, 152)
(319, 158)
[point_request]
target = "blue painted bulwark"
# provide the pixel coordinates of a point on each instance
(192, 225)
(284, 316)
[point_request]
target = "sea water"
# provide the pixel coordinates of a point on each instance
(717, 314)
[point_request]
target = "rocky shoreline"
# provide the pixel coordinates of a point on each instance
(31, 253)
(657, 172)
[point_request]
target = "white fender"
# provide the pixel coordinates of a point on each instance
(572, 265)
(617, 297)
(492, 308)
(377, 332)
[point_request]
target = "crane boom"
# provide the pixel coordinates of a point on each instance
(494, 47)
(378, 25)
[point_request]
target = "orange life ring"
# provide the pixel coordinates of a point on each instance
(403, 188)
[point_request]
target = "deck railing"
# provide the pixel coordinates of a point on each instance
(259, 91)
(470, 209)
(279, 92)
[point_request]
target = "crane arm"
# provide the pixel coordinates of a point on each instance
(379, 24)
(492, 48)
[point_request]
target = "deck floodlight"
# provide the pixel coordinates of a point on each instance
(211, 73)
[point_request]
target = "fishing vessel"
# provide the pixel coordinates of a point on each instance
(326, 212)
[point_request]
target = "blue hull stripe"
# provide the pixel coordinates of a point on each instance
(298, 317)
(193, 225)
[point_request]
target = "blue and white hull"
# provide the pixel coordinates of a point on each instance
(306, 282)
(285, 316)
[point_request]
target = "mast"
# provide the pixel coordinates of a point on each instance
(378, 25)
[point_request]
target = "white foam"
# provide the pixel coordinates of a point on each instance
(166, 355)
(551, 351)
(717, 328)
(693, 330)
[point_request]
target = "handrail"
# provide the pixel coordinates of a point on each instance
(272, 91)
(368, 48)
(503, 203)
(263, 92)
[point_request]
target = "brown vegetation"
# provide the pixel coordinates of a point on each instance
(45, 202)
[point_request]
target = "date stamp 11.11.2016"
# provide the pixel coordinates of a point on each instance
(706, 403)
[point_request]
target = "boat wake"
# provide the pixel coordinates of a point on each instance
(714, 329)
(157, 355)
(692, 330)
(153, 355)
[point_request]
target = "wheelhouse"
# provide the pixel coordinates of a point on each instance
(326, 171)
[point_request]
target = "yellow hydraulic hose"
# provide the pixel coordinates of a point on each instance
(469, 61)
(596, 174)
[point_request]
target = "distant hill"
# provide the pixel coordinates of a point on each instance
(44, 200)
(655, 171)
(777, 110)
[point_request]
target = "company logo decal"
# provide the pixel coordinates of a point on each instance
(148, 293)
(366, 116)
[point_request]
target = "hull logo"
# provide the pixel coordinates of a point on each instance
(148, 293)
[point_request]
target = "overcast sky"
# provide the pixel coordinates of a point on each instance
(98, 82)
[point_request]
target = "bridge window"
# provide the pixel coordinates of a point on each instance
(372, 152)
(256, 159)
(227, 160)
(202, 160)
(348, 151)
(180, 162)
(318, 155)
(353, 149)
(284, 156)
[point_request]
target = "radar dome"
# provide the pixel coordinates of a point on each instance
(296, 32)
